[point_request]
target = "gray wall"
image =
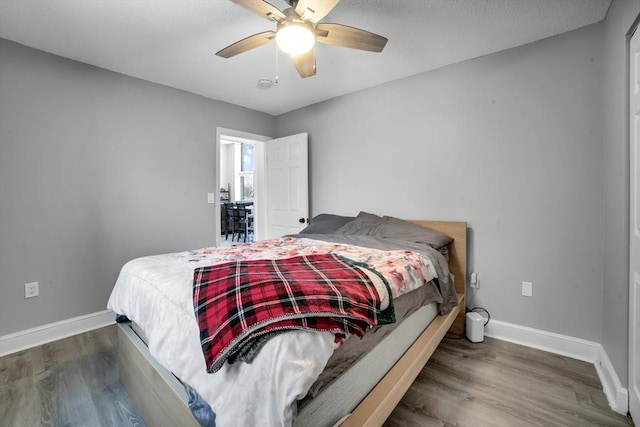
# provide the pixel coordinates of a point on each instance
(511, 143)
(537, 135)
(616, 184)
(97, 168)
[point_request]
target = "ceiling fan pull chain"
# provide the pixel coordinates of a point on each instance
(277, 71)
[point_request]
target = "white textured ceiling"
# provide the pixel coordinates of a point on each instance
(174, 42)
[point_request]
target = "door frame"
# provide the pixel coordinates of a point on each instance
(633, 387)
(258, 178)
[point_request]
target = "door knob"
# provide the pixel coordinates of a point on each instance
(301, 220)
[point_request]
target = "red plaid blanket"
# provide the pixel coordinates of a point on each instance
(238, 301)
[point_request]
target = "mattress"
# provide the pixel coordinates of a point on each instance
(161, 274)
(353, 349)
(338, 398)
(342, 395)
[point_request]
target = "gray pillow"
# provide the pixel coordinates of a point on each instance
(326, 224)
(363, 225)
(398, 229)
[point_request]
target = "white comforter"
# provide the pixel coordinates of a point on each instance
(285, 369)
(156, 293)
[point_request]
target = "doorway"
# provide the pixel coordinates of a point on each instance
(239, 178)
(280, 183)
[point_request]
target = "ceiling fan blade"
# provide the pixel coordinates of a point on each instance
(314, 10)
(345, 36)
(305, 63)
(248, 43)
(261, 8)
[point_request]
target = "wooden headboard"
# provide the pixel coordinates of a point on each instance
(457, 262)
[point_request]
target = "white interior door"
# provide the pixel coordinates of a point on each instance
(287, 178)
(634, 230)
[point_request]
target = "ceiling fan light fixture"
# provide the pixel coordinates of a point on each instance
(297, 31)
(295, 37)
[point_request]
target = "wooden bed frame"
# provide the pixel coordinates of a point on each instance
(162, 400)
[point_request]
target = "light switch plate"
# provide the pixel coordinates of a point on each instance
(527, 289)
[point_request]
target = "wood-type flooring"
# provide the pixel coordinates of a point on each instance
(497, 383)
(74, 382)
(70, 382)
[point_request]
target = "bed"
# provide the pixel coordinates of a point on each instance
(162, 399)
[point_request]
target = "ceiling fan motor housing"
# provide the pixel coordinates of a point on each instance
(294, 35)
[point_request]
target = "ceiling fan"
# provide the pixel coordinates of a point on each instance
(298, 29)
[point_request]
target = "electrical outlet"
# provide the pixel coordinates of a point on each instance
(31, 290)
(475, 283)
(527, 289)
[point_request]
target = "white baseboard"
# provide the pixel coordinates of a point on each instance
(564, 345)
(617, 395)
(23, 340)
(576, 348)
